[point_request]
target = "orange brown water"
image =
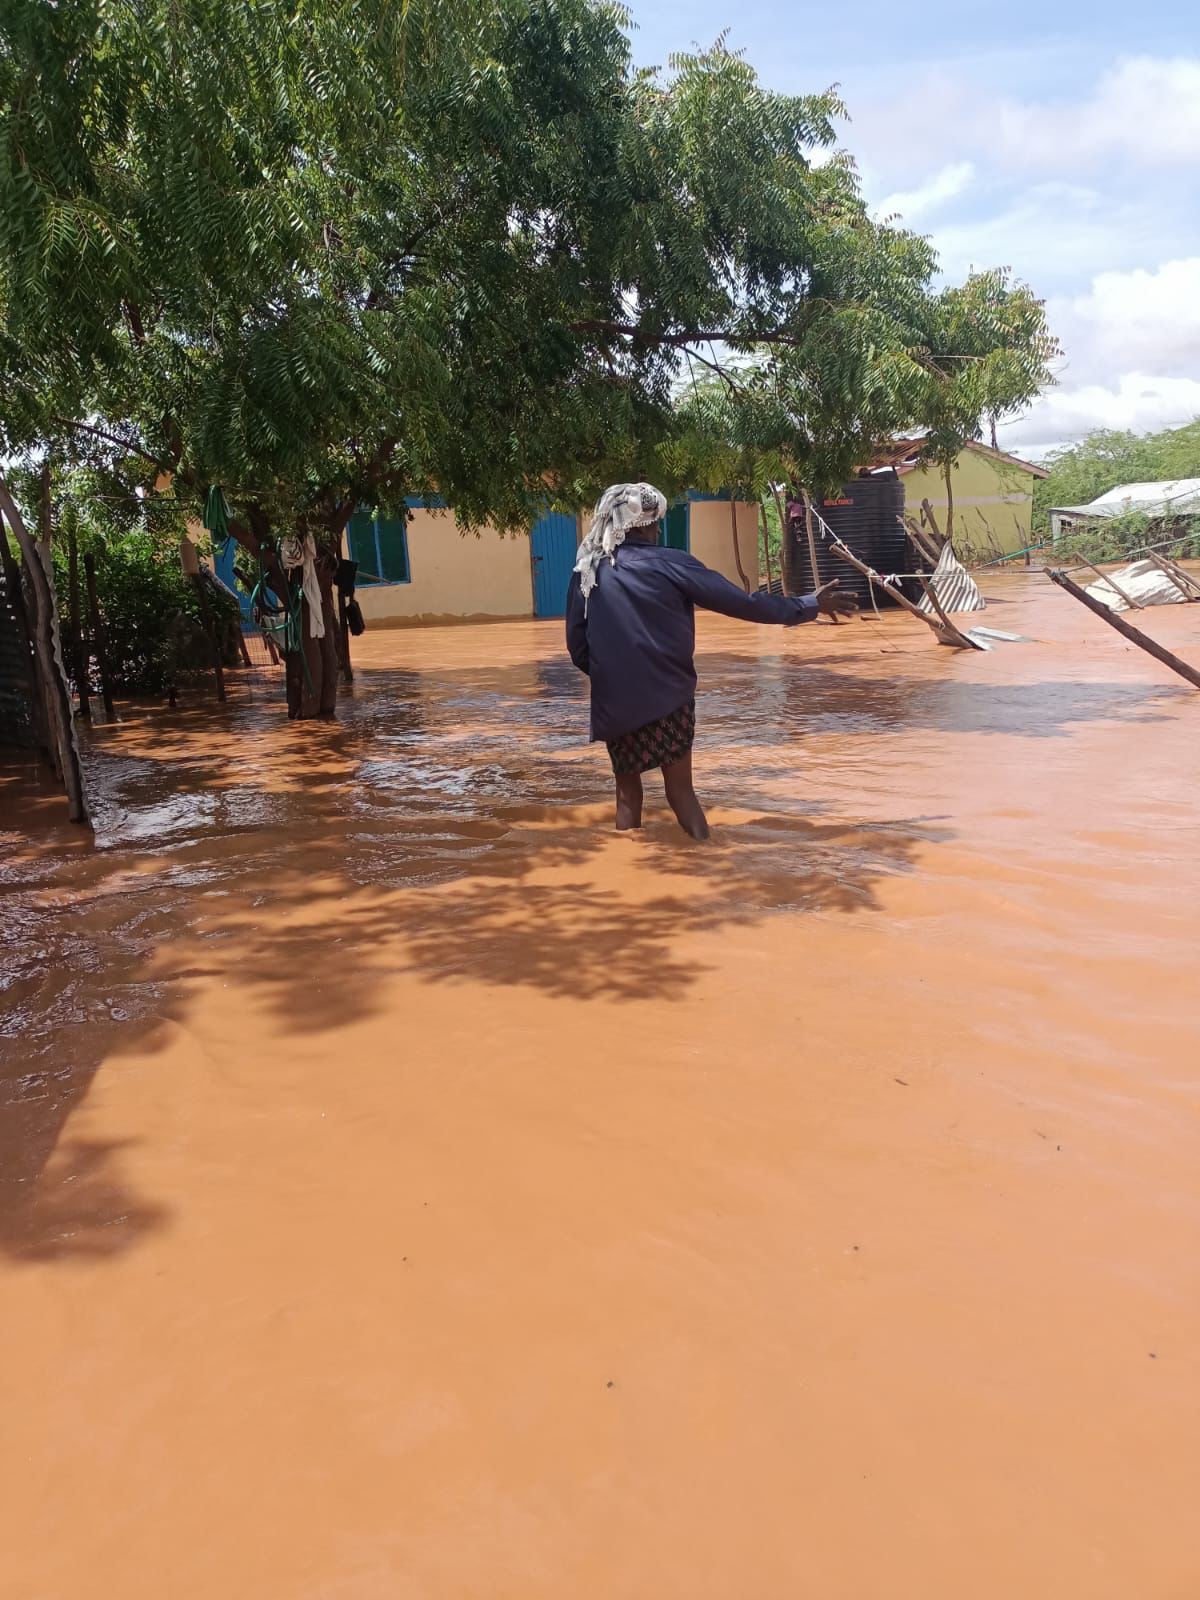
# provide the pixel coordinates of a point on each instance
(411, 1190)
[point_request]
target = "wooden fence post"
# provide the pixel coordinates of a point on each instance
(1134, 635)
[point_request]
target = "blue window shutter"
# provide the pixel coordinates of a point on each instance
(675, 526)
(360, 542)
(393, 549)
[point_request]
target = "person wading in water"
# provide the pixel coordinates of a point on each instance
(631, 627)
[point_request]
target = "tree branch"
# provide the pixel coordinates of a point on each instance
(684, 338)
(112, 438)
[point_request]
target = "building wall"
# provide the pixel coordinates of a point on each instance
(464, 578)
(711, 537)
(455, 576)
(993, 504)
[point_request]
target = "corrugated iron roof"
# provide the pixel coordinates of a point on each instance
(902, 456)
(1170, 495)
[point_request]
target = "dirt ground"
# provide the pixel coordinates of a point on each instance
(410, 1190)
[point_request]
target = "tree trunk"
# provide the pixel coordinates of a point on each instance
(785, 541)
(210, 630)
(812, 545)
(16, 599)
(766, 539)
(949, 471)
(48, 656)
(737, 549)
(311, 673)
(99, 637)
(310, 684)
(79, 660)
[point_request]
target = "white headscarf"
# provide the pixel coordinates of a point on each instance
(622, 506)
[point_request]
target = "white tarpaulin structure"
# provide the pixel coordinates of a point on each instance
(1143, 581)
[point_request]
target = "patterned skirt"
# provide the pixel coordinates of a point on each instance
(658, 744)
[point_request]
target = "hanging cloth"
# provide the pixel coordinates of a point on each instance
(302, 553)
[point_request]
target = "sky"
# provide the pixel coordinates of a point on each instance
(1061, 139)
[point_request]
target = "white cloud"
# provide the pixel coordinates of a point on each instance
(1140, 321)
(1141, 402)
(1144, 109)
(1091, 197)
(1055, 234)
(1143, 112)
(912, 204)
(1131, 357)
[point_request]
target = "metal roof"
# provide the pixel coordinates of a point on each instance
(1151, 499)
(902, 454)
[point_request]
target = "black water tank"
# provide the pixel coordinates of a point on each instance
(866, 516)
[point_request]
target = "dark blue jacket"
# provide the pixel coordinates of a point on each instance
(638, 640)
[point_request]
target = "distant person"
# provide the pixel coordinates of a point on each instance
(631, 627)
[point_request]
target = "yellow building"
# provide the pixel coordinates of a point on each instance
(993, 496)
(422, 568)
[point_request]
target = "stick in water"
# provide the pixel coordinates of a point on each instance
(1134, 635)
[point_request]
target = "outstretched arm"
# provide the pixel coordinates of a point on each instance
(577, 639)
(710, 590)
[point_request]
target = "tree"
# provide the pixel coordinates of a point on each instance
(987, 352)
(1107, 458)
(336, 252)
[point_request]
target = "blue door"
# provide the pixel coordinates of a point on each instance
(553, 542)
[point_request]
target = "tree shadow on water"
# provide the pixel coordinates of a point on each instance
(581, 934)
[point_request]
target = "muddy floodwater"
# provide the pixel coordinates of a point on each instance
(411, 1190)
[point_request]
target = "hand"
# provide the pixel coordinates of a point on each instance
(834, 602)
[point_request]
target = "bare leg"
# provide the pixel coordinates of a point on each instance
(681, 797)
(629, 801)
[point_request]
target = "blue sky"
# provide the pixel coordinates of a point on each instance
(1060, 139)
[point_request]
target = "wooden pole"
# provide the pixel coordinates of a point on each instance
(945, 633)
(1134, 635)
(1183, 581)
(48, 656)
(812, 545)
(916, 534)
(737, 549)
(927, 511)
(931, 593)
(1134, 605)
(785, 539)
(99, 637)
(810, 534)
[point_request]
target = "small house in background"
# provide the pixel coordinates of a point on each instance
(993, 496)
(1169, 503)
(420, 568)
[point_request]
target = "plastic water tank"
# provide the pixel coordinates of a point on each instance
(866, 516)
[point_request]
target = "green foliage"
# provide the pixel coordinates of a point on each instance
(1107, 458)
(988, 353)
(333, 252)
(154, 627)
(1123, 538)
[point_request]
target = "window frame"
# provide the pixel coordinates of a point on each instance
(378, 581)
